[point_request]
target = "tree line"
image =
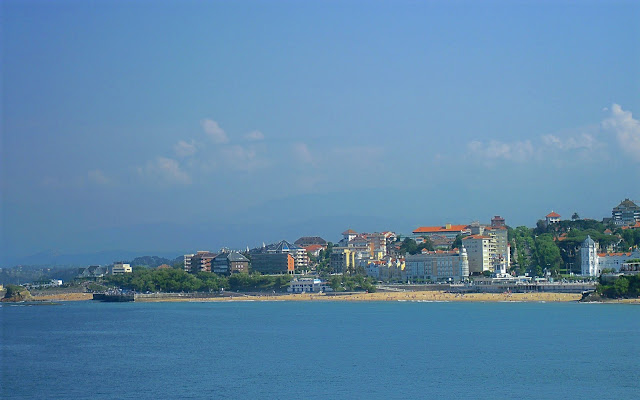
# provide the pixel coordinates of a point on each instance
(172, 280)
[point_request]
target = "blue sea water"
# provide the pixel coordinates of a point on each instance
(278, 350)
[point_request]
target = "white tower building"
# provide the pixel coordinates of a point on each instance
(464, 262)
(589, 257)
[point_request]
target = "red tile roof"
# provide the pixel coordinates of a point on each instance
(436, 229)
(313, 247)
(614, 254)
(553, 214)
(476, 237)
(349, 232)
(637, 225)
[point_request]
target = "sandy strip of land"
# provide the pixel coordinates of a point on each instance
(65, 297)
(426, 296)
(389, 296)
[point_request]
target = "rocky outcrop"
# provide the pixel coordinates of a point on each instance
(16, 294)
(588, 297)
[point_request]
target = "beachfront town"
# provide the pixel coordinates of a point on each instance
(562, 255)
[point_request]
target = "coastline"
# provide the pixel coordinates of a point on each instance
(430, 296)
(427, 296)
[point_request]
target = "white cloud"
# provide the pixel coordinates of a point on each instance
(165, 170)
(254, 136)
(583, 141)
(184, 149)
(241, 158)
(213, 130)
(97, 176)
(302, 153)
(626, 128)
(516, 151)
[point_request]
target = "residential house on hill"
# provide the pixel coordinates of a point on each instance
(626, 213)
(551, 218)
(314, 249)
(310, 240)
(92, 272)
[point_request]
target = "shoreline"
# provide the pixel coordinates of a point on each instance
(427, 296)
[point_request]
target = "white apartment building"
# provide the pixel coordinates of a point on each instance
(308, 285)
(502, 256)
(187, 262)
(120, 268)
(481, 251)
(437, 266)
(593, 263)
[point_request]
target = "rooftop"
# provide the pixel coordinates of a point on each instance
(436, 229)
(476, 237)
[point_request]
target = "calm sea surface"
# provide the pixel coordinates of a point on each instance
(278, 350)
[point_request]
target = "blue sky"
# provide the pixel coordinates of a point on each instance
(171, 125)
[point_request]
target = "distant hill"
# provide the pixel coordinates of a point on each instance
(53, 258)
(154, 261)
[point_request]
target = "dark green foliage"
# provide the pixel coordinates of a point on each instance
(522, 240)
(457, 243)
(156, 280)
(410, 246)
(541, 248)
(259, 283)
(172, 280)
(352, 283)
(547, 254)
(13, 290)
(150, 261)
(627, 286)
(631, 238)
(323, 266)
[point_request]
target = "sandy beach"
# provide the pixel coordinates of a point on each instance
(394, 296)
(430, 296)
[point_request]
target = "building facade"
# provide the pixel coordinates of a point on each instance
(501, 259)
(481, 252)
(443, 235)
(308, 285)
(437, 266)
(199, 262)
(299, 254)
(593, 263)
(552, 218)
(626, 213)
(120, 268)
(228, 263)
(273, 263)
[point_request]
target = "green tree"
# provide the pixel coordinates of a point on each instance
(457, 242)
(547, 254)
(621, 286)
